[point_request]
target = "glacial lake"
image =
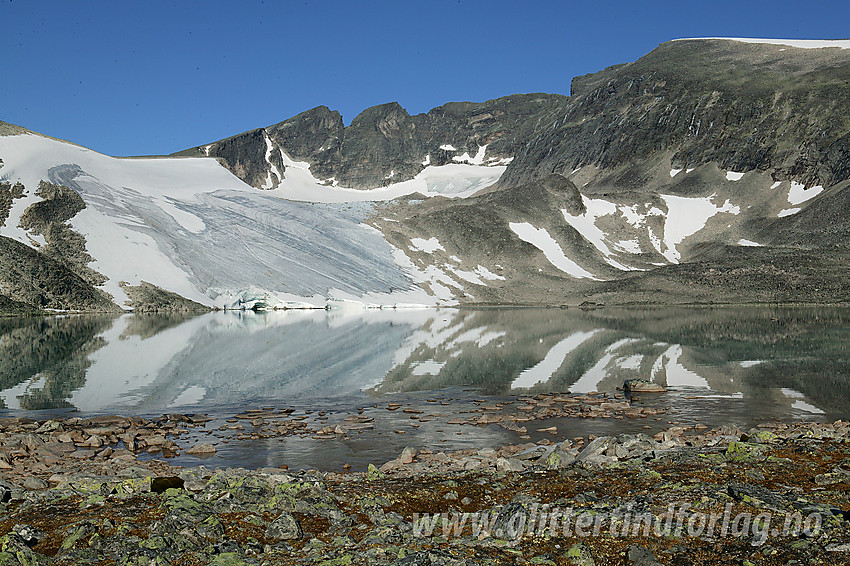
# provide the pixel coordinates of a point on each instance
(719, 365)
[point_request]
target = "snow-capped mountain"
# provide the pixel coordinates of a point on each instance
(708, 171)
(190, 227)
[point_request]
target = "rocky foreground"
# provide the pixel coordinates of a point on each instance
(77, 491)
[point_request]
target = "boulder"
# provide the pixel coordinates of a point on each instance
(642, 386)
(285, 527)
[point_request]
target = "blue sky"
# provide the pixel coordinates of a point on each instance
(156, 77)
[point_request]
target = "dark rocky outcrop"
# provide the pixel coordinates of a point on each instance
(49, 217)
(148, 298)
(56, 275)
(7, 129)
(34, 278)
(8, 194)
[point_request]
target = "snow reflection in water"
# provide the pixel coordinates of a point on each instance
(786, 363)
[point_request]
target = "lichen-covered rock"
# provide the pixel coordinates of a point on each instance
(745, 451)
(285, 527)
(579, 555)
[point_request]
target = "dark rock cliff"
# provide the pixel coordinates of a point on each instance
(745, 106)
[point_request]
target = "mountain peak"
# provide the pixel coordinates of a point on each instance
(380, 111)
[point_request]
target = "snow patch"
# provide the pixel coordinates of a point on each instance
(629, 246)
(428, 246)
(273, 170)
(807, 407)
(733, 176)
(788, 212)
(540, 238)
(438, 281)
(469, 276)
(476, 276)
(485, 273)
(592, 377)
(488, 337)
(749, 243)
(687, 216)
(494, 161)
(477, 160)
(429, 367)
(674, 172)
(798, 194)
(632, 362)
(448, 147)
(585, 224)
(453, 180)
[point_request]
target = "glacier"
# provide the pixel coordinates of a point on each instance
(189, 226)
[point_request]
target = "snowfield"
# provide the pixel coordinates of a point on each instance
(687, 216)
(453, 181)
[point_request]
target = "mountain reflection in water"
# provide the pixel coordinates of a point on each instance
(788, 362)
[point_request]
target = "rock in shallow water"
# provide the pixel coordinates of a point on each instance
(642, 386)
(202, 449)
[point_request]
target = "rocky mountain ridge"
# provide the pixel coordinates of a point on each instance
(384, 144)
(763, 107)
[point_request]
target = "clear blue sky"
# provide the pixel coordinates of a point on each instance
(134, 78)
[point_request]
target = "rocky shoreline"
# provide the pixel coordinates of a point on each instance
(84, 491)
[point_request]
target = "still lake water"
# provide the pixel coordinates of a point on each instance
(721, 365)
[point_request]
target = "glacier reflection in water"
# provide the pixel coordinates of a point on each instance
(779, 362)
